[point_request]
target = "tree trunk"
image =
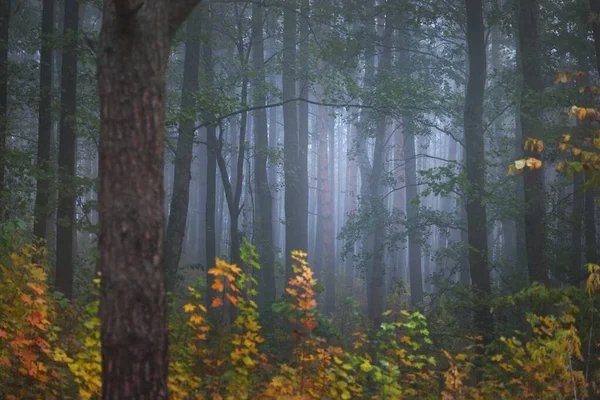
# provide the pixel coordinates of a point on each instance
(5, 12)
(302, 169)
(293, 213)
(412, 214)
(326, 214)
(212, 234)
(133, 52)
(42, 196)
(66, 219)
(350, 207)
(591, 249)
(183, 156)
(576, 230)
(535, 208)
(264, 201)
(475, 164)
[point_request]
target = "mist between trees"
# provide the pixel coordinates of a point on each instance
(270, 184)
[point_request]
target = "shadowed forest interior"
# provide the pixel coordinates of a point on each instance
(299, 199)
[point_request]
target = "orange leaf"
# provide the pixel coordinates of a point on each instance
(36, 288)
(218, 285)
(232, 299)
(3, 334)
(216, 302)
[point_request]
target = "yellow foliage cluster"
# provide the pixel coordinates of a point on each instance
(29, 350)
(399, 360)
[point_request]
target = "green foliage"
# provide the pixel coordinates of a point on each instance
(50, 348)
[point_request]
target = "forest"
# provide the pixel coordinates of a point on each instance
(299, 199)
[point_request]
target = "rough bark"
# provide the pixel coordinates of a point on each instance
(535, 208)
(42, 194)
(133, 51)
(475, 164)
(176, 225)
(65, 225)
(264, 201)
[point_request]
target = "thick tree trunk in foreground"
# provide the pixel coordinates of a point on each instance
(42, 194)
(475, 163)
(132, 59)
(183, 157)
(535, 208)
(67, 145)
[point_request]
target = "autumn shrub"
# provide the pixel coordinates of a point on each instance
(50, 348)
(30, 350)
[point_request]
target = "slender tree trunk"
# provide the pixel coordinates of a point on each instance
(326, 213)
(535, 208)
(591, 247)
(178, 214)
(475, 164)
(350, 206)
(212, 234)
(595, 9)
(66, 219)
(5, 12)
(264, 202)
(576, 231)
(302, 169)
(42, 196)
(412, 215)
(132, 61)
(293, 214)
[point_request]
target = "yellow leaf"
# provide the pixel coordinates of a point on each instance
(366, 367)
(563, 146)
(520, 164)
(560, 77)
(566, 137)
(576, 151)
(189, 307)
(539, 146)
